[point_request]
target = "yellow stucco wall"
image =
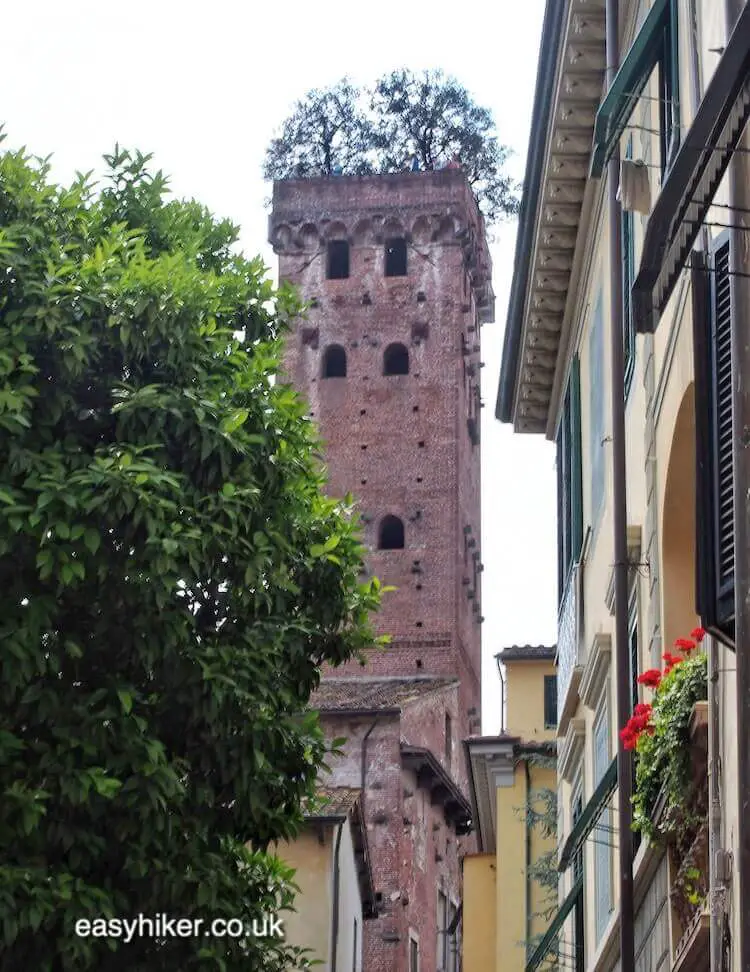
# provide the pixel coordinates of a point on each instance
(525, 699)
(310, 925)
(514, 847)
(479, 912)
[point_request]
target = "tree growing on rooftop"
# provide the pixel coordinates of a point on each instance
(171, 578)
(404, 116)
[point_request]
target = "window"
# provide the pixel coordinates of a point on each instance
(453, 939)
(396, 360)
(391, 534)
(334, 362)
(550, 701)
(655, 49)
(448, 740)
(602, 834)
(355, 948)
(712, 315)
(628, 279)
(395, 258)
(442, 931)
(338, 260)
(669, 86)
(575, 813)
(569, 519)
(413, 954)
(635, 666)
(596, 409)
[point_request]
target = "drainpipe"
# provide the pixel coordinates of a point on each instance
(502, 694)
(739, 200)
(363, 768)
(619, 502)
(336, 896)
(716, 887)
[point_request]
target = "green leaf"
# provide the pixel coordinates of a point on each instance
(228, 490)
(235, 420)
(92, 540)
(126, 700)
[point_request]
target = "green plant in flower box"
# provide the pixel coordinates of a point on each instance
(660, 734)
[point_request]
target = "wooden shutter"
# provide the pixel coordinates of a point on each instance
(722, 406)
(569, 489)
(713, 409)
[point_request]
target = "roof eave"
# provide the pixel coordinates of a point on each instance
(557, 196)
(540, 117)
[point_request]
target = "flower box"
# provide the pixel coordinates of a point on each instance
(699, 722)
(692, 951)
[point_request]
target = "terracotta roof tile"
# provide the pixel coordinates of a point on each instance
(365, 692)
(527, 653)
(333, 801)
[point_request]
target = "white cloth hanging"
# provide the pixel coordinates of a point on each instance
(635, 186)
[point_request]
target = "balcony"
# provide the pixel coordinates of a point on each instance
(570, 654)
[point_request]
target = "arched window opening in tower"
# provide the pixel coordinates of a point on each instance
(334, 362)
(396, 360)
(391, 534)
(395, 257)
(338, 260)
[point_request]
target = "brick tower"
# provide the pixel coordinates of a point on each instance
(397, 271)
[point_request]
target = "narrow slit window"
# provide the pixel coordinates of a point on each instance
(391, 534)
(334, 362)
(338, 260)
(395, 257)
(396, 360)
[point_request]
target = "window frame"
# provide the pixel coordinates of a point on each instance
(388, 520)
(602, 851)
(569, 481)
(389, 256)
(396, 347)
(550, 701)
(414, 950)
(627, 237)
(329, 348)
(344, 247)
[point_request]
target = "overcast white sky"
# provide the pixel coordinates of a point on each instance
(203, 85)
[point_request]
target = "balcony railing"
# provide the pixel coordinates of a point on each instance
(569, 638)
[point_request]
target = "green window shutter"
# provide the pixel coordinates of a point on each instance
(569, 490)
(722, 442)
(576, 490)
(713, 443)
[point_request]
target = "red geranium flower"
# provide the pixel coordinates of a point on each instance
(671, 660)
(684, 644)
(643, 709)
(650, 678)
(629, 738)
(698, 634)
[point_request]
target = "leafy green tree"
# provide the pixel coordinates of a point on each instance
(327, 133)
(435, 118)
(171, 577)
(430, 116)
(540, 815)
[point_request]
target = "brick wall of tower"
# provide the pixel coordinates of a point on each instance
(400, 444)
(414, 852)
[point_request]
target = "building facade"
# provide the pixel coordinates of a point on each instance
(652, 279)
(396, 273)
(334, 877)
(509, 883)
